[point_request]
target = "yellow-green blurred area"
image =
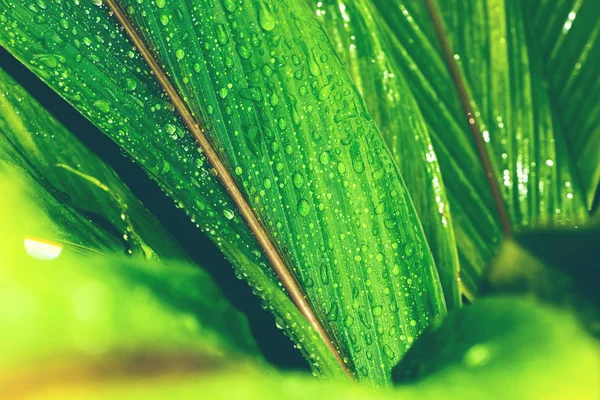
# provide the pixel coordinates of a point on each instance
(80, 324)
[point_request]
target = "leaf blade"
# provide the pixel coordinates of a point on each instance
(355, 30)
(208, 203)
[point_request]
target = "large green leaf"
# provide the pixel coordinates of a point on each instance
(499, 59)
(265, 83)
(360, 41)
(37, 144)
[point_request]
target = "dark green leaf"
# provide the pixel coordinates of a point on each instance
(558, 266)
(500, 62)
(567, 33)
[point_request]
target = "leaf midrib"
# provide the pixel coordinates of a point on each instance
(464, 97)
(226, 179)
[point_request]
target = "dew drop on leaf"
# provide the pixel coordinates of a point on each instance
(303, 207)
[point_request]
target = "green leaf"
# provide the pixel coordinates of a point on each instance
(505, 348)
(77, 311)
(283, 114)
(555, 367)
(34, 142)
(358, 35)
(567, 34)
(499, 60)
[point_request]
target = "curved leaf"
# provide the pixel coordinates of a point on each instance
(276, 102)
(549, 364)
(505, 347)
(355, 30)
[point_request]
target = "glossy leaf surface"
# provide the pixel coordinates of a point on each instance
(265, 83)
(568, 36)
(359, 37)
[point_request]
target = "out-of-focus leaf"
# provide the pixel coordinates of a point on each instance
(567, 32)
(559, 362)
(36, 143)
(507, 348)
(360, 40)
(501, 64)
(263, 80)
(76, 315)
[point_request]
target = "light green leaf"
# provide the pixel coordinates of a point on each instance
(505, 348)
(499, 59)
(265, 83)
(77, 311)
(42, 148)
(558, 362)
(359, 38)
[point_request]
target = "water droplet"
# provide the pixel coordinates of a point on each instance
(348, 321)
(228, 214)
(244, 52)
(130, 84)
(222, 34)
(325, 92)
(324, 158)
(323, 274)
(409, 249)
(387, 350)
(265, 17)
(298, 180)
(170, 129)
(179, 54)
(230, 5)
(377, 310)
(160, 3)
(251, 93)
(303, 207)
(332, 314)
(102, 106)
(238, 170)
